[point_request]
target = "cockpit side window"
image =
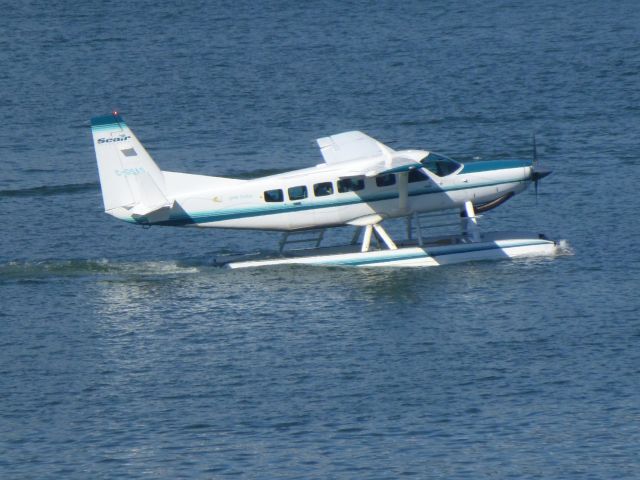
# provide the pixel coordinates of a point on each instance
(417, 175)
(439, 164)
(385, 180)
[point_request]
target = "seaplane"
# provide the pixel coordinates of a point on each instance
(361, 183)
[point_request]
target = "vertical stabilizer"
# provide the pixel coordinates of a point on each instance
(128, 175)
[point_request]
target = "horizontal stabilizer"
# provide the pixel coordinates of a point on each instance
(142, 210)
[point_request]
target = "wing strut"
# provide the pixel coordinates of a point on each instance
(403, 191)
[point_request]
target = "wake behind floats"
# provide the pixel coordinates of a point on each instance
(361, 183)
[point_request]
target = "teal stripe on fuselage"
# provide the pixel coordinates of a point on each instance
(476, 167)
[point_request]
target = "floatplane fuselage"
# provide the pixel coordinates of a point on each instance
(360, 183)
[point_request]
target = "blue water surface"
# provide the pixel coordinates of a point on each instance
(125, 353)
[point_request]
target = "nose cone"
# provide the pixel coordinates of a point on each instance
(538, 173)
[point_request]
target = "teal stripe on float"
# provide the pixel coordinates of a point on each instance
(472, 248)
(355, 262)
(465, 249)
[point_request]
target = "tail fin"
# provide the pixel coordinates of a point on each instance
(128, 175)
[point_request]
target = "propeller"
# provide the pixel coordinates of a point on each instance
(536, 172)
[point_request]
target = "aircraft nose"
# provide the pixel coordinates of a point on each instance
(538, 173)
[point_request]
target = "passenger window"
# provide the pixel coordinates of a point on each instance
(273, 196)
(386, 180)
(350, 185)
(323, 189)
(297, 193)
(417, 175)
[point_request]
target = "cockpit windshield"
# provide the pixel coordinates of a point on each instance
(439, 164)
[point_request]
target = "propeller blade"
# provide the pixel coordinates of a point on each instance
(536, 172)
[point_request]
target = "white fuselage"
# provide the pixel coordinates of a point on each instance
(242, 205)
(361, 182)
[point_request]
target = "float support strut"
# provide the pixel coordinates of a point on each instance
(366, 240)
(385, 237)
(418, 228)
(380, 232)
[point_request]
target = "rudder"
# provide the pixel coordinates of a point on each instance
(128, 175)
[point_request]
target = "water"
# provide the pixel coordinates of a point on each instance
(125, 353)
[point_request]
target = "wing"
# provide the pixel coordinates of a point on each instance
(380, 167)
(359, 154)
(348, 146)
